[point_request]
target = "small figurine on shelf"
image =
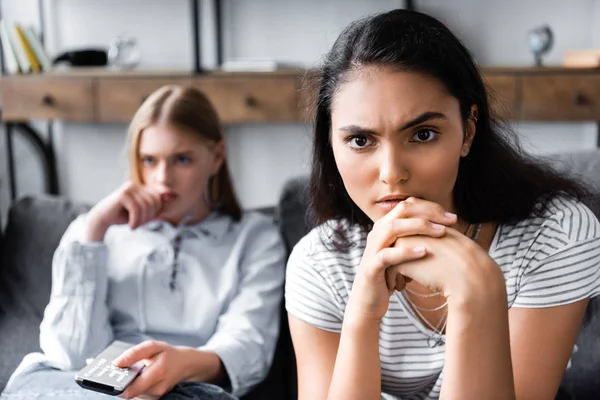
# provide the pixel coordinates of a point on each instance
(124, 53)
(540, 41)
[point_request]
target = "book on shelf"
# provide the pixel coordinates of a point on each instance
(10, 59)
(18, 50)
(22, 49)
(38, 48)
(29, 53)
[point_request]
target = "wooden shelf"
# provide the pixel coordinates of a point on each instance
(105, 95)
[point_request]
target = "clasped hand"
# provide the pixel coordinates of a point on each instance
(415, 241)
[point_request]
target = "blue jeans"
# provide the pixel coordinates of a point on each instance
(52, 384)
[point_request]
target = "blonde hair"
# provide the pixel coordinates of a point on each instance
(186, 108)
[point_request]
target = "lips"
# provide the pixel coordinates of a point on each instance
(168, 197)
(393, 198)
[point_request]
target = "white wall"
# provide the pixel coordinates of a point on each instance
(263, 156)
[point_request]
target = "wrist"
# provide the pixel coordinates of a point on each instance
(482, 284)
(485, 300)
(357, 318)
(201, 365)
(95, 229)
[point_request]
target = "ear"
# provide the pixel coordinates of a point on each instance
(219, 152)
(470, 131)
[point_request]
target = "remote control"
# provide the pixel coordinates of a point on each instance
(102, 376)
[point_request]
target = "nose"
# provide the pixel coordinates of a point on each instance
(163, 173)
(393, 166)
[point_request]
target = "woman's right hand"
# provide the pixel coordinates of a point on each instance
(130, 204)
(375, 281)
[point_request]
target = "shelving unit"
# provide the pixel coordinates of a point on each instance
(97, 95)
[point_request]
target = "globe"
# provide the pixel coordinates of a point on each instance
(540, 41)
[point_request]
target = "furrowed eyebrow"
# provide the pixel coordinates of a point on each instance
(426, 116)
(357, 130)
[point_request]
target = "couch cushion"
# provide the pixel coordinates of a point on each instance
(294, 222)
(34, 228)
(293, 212)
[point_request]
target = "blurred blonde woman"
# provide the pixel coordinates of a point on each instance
(169, 263)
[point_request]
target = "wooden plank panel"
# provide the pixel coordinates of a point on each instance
(119, 98)
(503, 96)
(42, 97)
(561, 97)
(252, 98)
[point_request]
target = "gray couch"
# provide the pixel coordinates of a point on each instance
(35, 225)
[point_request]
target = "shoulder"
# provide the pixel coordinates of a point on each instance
(256, 235)
(254, 220)
(320, 242)
(552, 258)
(317, 250)
(319, 277)
(252, 225)
(571, 218)
(563, 222)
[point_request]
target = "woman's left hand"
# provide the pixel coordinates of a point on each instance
(454, 264)
(163, 369)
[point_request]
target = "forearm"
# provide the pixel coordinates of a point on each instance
(478, 362)
(357, 371)
(203, 366)
(76, 322)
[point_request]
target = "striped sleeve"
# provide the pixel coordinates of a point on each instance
(565, 266)
(309, 296)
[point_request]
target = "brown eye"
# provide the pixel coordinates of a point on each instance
(425, 135)
(358, 142)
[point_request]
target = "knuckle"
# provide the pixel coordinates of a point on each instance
(401, 249)
(423, 224)
(128, 187)
(441, 210)
(377, 224)
(148, 343)
(382, 258)
(371, 235)
(403, 208)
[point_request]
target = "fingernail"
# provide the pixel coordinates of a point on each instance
(419, 250)
(438, 227)
(450, 215)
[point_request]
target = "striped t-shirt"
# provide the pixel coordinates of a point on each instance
(546, 261)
